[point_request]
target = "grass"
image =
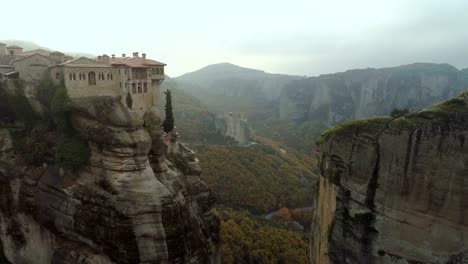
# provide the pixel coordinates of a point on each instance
(435, 115)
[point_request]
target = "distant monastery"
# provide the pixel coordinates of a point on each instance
(136, 76)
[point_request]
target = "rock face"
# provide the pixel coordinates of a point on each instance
(335, 98)
(128, 205)
(394, 190)
(233, 125)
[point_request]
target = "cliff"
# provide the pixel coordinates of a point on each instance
(128, 204)
(394, 190)
(334, 98)
(234, 126)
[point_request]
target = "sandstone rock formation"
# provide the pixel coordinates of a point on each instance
(334, 98)
(394, 190)
(128, 205)
(233, 125)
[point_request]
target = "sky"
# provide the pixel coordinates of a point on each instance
(301, 37)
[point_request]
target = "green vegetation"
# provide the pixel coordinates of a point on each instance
(260, 178)
(436, 115)
(300, 136)
(129, 100)
(46, 138)
(72, 152)
(349, 127)
(168, 123)
(396, 113)
(246, 239)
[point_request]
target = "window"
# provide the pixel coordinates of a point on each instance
(120, 84)
(92, 78)
(126, 85)
(133, 88)
(145, 88)
(72, 76)
(139, 88)
(57, 75)
(161, 71)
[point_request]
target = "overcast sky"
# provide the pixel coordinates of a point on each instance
(304, 37)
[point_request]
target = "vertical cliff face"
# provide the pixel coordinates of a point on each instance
(335, 98)
(394, 190)
(235, 126)
(128, 205)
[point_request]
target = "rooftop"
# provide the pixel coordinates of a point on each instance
(136, 62)
(14, 47)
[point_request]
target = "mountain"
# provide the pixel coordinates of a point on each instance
(29, 45)
(232, 80)
(394, 190)
(338, 97)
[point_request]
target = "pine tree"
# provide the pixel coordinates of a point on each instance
(168, 123)
(129, 100)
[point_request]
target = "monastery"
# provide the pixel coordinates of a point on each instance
(135, 76)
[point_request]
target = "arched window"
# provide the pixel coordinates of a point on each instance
(70, 76)
(133, 88)
(139, 88)
(92, 78)
(145, 87)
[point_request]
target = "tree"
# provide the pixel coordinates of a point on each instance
(284, 214)
(168, 123)
(396, 112)
(129, 100)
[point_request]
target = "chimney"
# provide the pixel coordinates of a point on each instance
(99, 58)
(135, 54)
(105, 59)
(123, 55)
(143, 55)
(113, 56)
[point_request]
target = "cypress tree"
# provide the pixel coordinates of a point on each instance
(168, 123)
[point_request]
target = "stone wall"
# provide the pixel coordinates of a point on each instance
(33, 68)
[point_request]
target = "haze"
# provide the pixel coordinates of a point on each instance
(301, 37)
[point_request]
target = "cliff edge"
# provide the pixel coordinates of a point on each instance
(128, 204)
(394, 190)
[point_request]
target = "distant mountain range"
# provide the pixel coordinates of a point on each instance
(329, 98)
(29, 45)
(232, 80)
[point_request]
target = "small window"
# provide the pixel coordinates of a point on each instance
(70, 76)
(126, 85)
(139, 88)
(57, 75)
(112, 77)
(125, 71)
(145, 88)
(133, 88)
(120, 84)
(161, 71)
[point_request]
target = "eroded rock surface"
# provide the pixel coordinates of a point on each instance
(128, 205)
(334, 98)
(395, 190)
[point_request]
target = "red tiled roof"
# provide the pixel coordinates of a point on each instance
(136, 62)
